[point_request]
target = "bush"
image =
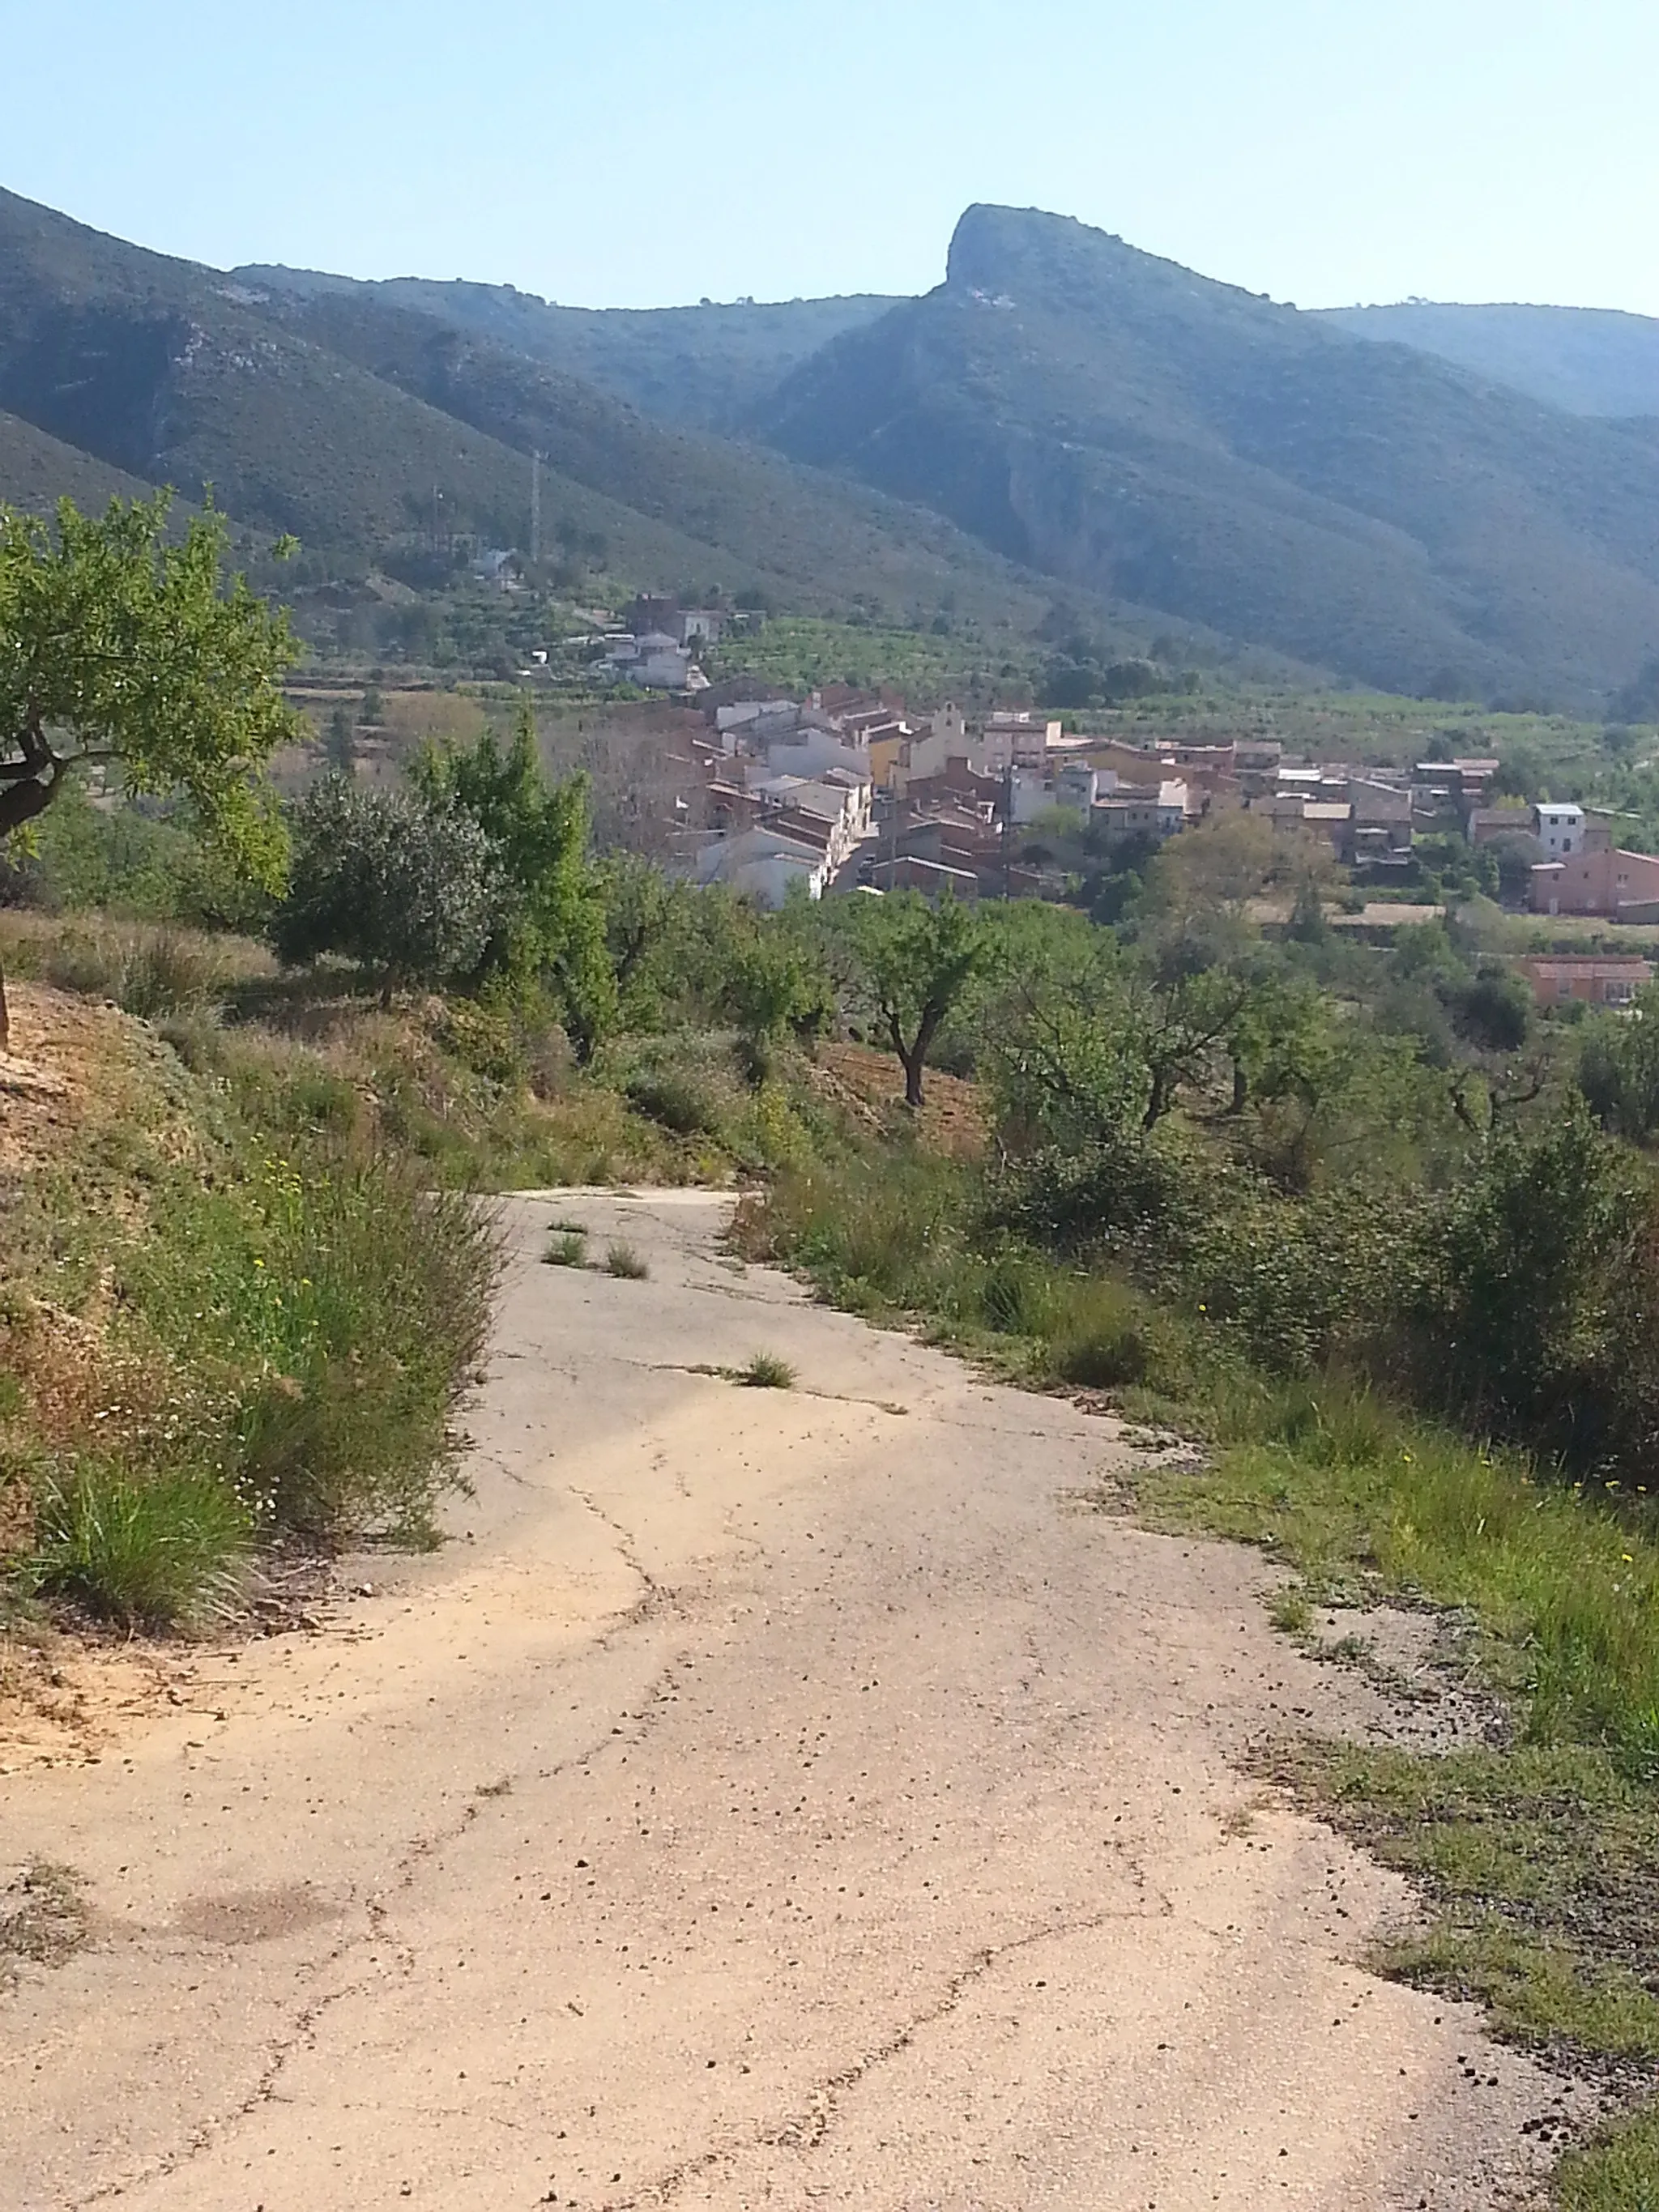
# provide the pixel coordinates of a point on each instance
(566, 1250)
(1099, 1339)
(149, 971)
(767, 1372)
(406, 884)
(675, 1100)
(166, 1551)
(624, 1262)
(337, 1309)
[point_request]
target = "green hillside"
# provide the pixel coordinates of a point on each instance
(36, 470)
(705, 367)
(1148, 434)
(814, 537)
(1591, 361)
(356, 424)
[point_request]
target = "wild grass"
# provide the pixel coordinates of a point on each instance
(146, 969)
(348, 1306)
(626, 1264)
(1617, 2172)
(766, 1371)
(153, 1551)
(1362, 1498)
(567, 1249)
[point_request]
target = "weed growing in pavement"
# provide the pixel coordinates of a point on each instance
(628, 1265)
(568, 1248)
(766, 1371)
(43, 1916)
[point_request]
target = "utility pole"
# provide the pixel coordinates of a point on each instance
(536, 509)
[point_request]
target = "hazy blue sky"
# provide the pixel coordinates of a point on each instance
(1321, 150)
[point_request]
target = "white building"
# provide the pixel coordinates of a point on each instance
(763, 865)
(1560, 830)
(841, 802)
(654, 662)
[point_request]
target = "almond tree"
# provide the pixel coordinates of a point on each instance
(125, 649)
(917, 960)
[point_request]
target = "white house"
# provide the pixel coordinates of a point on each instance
(810, 751)
(763, 865)
(841, 802)
(654, 662)
(1560, 830)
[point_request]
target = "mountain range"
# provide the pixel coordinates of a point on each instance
(1066, 434)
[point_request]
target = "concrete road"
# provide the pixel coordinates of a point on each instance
(771, 1798)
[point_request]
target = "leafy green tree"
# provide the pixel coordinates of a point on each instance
(1619, 1068)
(1081, 1058)
(778, 986)
(551, 929)
(1516, 853)
(122, 649)
(915, 960)
(404, 882)
(1493, 1010)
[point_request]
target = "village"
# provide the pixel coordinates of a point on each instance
(848, 790)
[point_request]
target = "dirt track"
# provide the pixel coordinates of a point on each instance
(770, 1799)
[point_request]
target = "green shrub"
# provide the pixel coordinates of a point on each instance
(624, 1261)
(568, 1248)
(337, 1309)
(168, 1550)
(1017, 1294)
(1099, 1339)
(675, 1100)
(767, 1372)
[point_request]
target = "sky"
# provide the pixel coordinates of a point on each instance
(1322, 151)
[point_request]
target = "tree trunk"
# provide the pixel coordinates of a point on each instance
(5, 1015)
(913, 1067)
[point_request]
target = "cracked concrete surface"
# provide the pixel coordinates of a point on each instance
(771, 1798)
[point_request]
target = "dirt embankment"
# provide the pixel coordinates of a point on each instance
(771, 1796)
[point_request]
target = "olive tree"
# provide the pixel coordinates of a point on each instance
(405, 882)
(123, 646)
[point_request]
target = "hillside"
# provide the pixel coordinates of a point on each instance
(1147, 434)
(355, 422)
(36, 469)
(705, 368)
(1590, 360)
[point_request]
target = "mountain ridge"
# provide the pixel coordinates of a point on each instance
(1064, 421)
(1137, 429)
(174, 372)
(1589, 361)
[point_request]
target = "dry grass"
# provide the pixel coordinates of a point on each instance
(869, 1085)
(43, 1916)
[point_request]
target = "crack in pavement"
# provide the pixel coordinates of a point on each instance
(301, 2033)
(806, 2129)
(930, 1413)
